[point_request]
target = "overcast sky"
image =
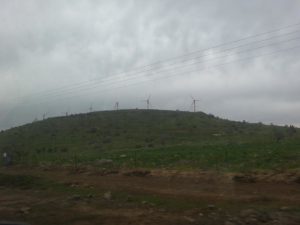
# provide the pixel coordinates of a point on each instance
(58, 56)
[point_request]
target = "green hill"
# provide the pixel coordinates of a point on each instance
(154, 138)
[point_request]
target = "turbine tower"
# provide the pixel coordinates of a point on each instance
(91, 108)
(117, 106)
(194, 103)
(67, 112)
(44, 116)
(148, 102)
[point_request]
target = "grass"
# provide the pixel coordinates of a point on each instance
(231, 157)
(226, 157)
(154, 139)
(32, 182)
(21, 181)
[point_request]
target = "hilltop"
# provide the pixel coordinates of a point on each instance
(153, 138)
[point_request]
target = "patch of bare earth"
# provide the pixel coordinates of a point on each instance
(154, 197)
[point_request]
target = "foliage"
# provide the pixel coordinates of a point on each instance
(154, 138)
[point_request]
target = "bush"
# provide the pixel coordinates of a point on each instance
(150, 145)
(291, 130)
(138, 146)
(65, 149)
(278, 135)
(93, 130)
(107, 141)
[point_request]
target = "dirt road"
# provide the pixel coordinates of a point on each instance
(93, 196)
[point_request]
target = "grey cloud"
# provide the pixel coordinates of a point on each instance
(47, 45)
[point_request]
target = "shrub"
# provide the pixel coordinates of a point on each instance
(93, 130)
(291, 130)
(65, 149)
(278, 135)
(150, 145)
(107, 141)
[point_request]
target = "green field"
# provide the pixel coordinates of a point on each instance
(154, 139)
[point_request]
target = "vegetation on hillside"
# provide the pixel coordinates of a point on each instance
(154, 138)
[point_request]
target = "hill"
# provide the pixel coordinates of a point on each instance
(153, 138)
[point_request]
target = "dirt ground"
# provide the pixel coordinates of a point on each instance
(95, 196)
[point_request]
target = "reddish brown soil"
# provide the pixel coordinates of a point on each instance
(161, 197)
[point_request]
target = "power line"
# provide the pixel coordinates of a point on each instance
(153, 69)
(176, 74)
(108, 88)
(195, 58)
(185, 55)
(195, 70)
(168, 69)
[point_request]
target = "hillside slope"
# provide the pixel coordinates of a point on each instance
(151, 133)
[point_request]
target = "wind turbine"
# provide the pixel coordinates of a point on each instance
(44, 115)
(91, 108)
(194, 102)
(148, 101)
(67, 112)
(117, 106)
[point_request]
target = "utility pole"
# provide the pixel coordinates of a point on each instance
(117, 106)
(194, 103)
